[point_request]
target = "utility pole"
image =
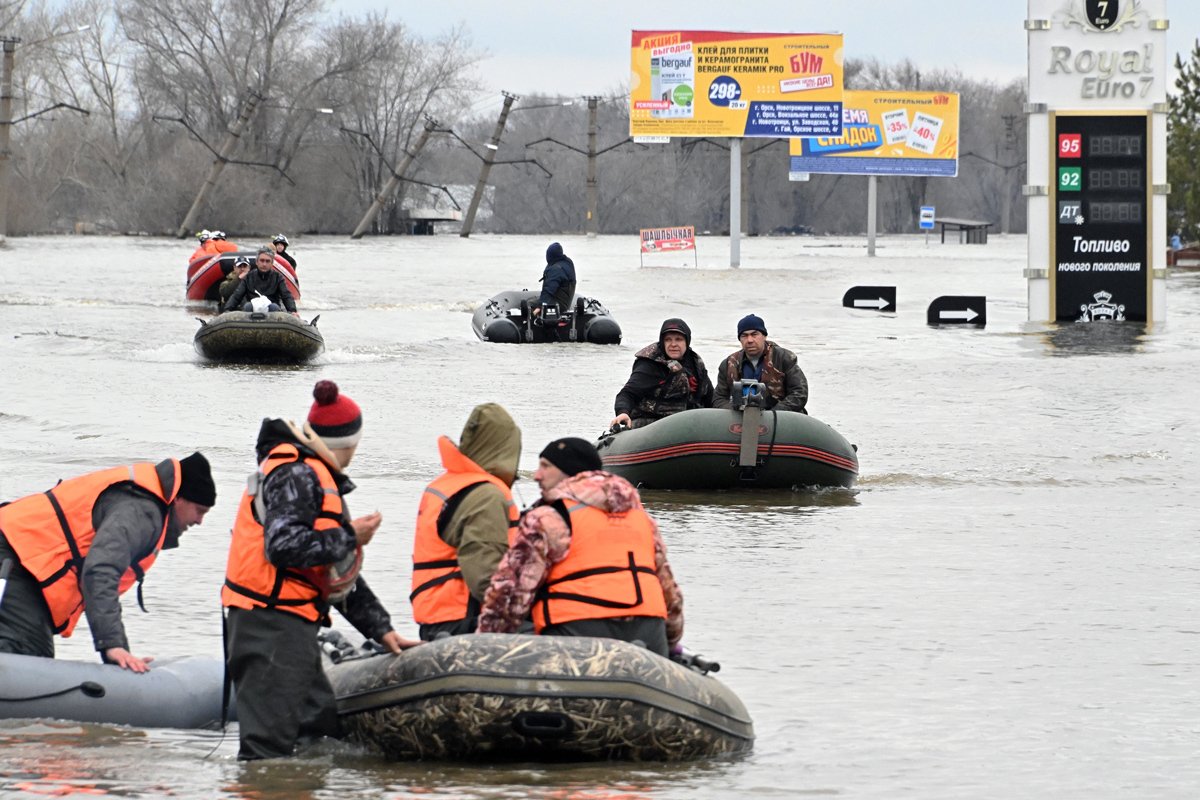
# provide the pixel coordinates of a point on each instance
(397, 176)
(6, 73)
(493, 147)
(223, 154)
(591, 168)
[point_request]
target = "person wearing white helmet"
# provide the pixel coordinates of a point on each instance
(281, 243)
(205, 247)
(219, 243)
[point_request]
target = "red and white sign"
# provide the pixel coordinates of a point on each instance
(664, 240)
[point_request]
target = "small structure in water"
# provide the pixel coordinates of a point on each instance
(508, 318)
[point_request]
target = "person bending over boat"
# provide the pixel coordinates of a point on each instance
(668, 377)
(77, 547)
(587, 560)
(205, 247)
(241, 268)
(463, 523)
(280, 243)
(762, 360)
(264, 281)
(296, 553)
(558, 281)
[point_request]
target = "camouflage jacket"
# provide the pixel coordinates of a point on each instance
(292, 495)
(787, 388)
(544, 539)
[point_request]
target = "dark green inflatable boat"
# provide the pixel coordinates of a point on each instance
(711, 448)
(259, 337)
(512, 697)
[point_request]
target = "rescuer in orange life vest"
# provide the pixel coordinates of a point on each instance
(587, 560)
(464, 522)
(75, 548)
(296, 553)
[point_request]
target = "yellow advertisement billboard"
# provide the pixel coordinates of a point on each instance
(716, 83)
(886, 133)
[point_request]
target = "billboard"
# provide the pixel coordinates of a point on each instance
(886, 133)
(716, 83)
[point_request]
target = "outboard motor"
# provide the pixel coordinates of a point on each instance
(750, 398)
(549, 316)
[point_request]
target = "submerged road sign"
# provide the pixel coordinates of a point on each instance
(955, 310)
(872, 298)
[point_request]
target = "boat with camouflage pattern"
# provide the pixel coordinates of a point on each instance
(259, 337)
(515, 697)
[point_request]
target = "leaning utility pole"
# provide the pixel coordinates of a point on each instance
(394, 181)
(223, 154)
(591, 168)
(6, 73)
(493, 147)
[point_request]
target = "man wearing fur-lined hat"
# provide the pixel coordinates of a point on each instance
(295, 554)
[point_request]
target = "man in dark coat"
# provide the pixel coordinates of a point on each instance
(668, 377)
(130, 523)
(265, 281)
(762, 360)
(558, 280)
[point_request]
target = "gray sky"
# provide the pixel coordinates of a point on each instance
(576, 48)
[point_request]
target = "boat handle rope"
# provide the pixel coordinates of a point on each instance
(88, 688)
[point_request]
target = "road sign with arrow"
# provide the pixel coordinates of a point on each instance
(870, 298)
(955, 310)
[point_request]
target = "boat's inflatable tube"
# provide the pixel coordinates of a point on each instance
(259, 336)
(497, 697)
(205, 273)
(175, 693)
(506, 318)
(702, 449)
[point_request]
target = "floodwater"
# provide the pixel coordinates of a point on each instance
(1005, 606)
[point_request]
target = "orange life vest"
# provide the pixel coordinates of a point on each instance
(439, 593)
(608, 572)
(52, 533)
(222, 246)
(251, 581)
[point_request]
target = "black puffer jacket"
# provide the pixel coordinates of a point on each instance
(660, 386)
(558, 283)
(270, 285)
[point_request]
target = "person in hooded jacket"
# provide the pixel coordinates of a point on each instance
(262, 280)
(668, 377)
(75, 548)
(558, 280)
(587, 560)
(295, 554)
(463, 523)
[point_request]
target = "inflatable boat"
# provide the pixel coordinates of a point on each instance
(510, 697)
(175, 693)
(259, 337)
(507, 318)
(713, 448)
(204, 274)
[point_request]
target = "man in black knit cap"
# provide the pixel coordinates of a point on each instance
(77, 547)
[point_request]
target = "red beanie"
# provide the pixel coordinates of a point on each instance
(335, 417)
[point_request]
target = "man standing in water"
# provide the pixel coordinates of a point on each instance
(78, 546)
(296, 553)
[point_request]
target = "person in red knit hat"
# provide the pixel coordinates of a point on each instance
(295, 554)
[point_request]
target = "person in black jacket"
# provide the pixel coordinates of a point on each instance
(558, 280)
(265, 281)
(280, 242)
(668, 377)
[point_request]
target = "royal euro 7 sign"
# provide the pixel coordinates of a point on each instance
(717, 83)
(1100, 209)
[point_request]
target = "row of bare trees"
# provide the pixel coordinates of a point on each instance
(345, 97)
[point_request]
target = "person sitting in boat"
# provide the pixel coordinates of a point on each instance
(77, 547)
(762, 360)
(205, 249)
(280, 243)
(668, 377)
(241, 268)
(295, 554)
(463, 522)
(263, 281)
(220, 245)
(587, 560)
(558, 281)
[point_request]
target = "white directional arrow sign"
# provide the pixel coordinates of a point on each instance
(967, 315)
(875, 302)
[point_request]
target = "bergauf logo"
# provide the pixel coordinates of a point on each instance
(1103, 16)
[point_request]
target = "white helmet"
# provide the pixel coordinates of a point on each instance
(218, 234)
(204, 235)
